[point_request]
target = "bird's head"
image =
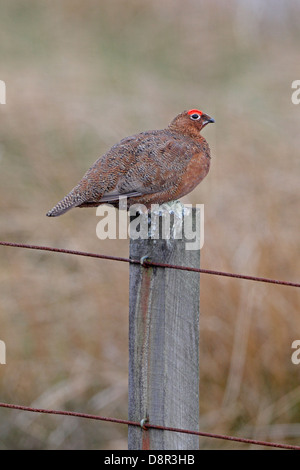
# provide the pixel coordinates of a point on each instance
(190, 122)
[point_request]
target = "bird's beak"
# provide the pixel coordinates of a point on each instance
(206, 119)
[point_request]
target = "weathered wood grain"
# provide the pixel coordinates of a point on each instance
(164, 345)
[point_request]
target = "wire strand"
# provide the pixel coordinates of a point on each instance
(150, 426)
(149, 263)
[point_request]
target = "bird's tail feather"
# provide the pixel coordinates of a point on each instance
(63, 206)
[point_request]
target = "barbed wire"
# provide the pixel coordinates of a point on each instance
(146, 426)
(148, 263)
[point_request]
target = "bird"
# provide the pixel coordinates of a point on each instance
(152, 167)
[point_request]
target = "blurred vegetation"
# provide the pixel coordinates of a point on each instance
(80, 75)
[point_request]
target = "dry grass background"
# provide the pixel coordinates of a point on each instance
(80, 75)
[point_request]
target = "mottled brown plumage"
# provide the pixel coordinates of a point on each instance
(148, 168)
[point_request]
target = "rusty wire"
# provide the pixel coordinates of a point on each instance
(147, 426)
(149, 263)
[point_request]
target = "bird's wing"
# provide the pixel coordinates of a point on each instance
(114, 196)
(153, 169)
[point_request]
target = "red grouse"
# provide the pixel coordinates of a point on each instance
(152, 167)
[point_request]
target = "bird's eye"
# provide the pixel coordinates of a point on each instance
(195, 116)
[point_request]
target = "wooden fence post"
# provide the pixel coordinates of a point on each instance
(164, 341)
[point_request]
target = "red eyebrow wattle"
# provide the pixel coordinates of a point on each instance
(192, 111)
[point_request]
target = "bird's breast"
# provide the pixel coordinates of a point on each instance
(195, 172)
